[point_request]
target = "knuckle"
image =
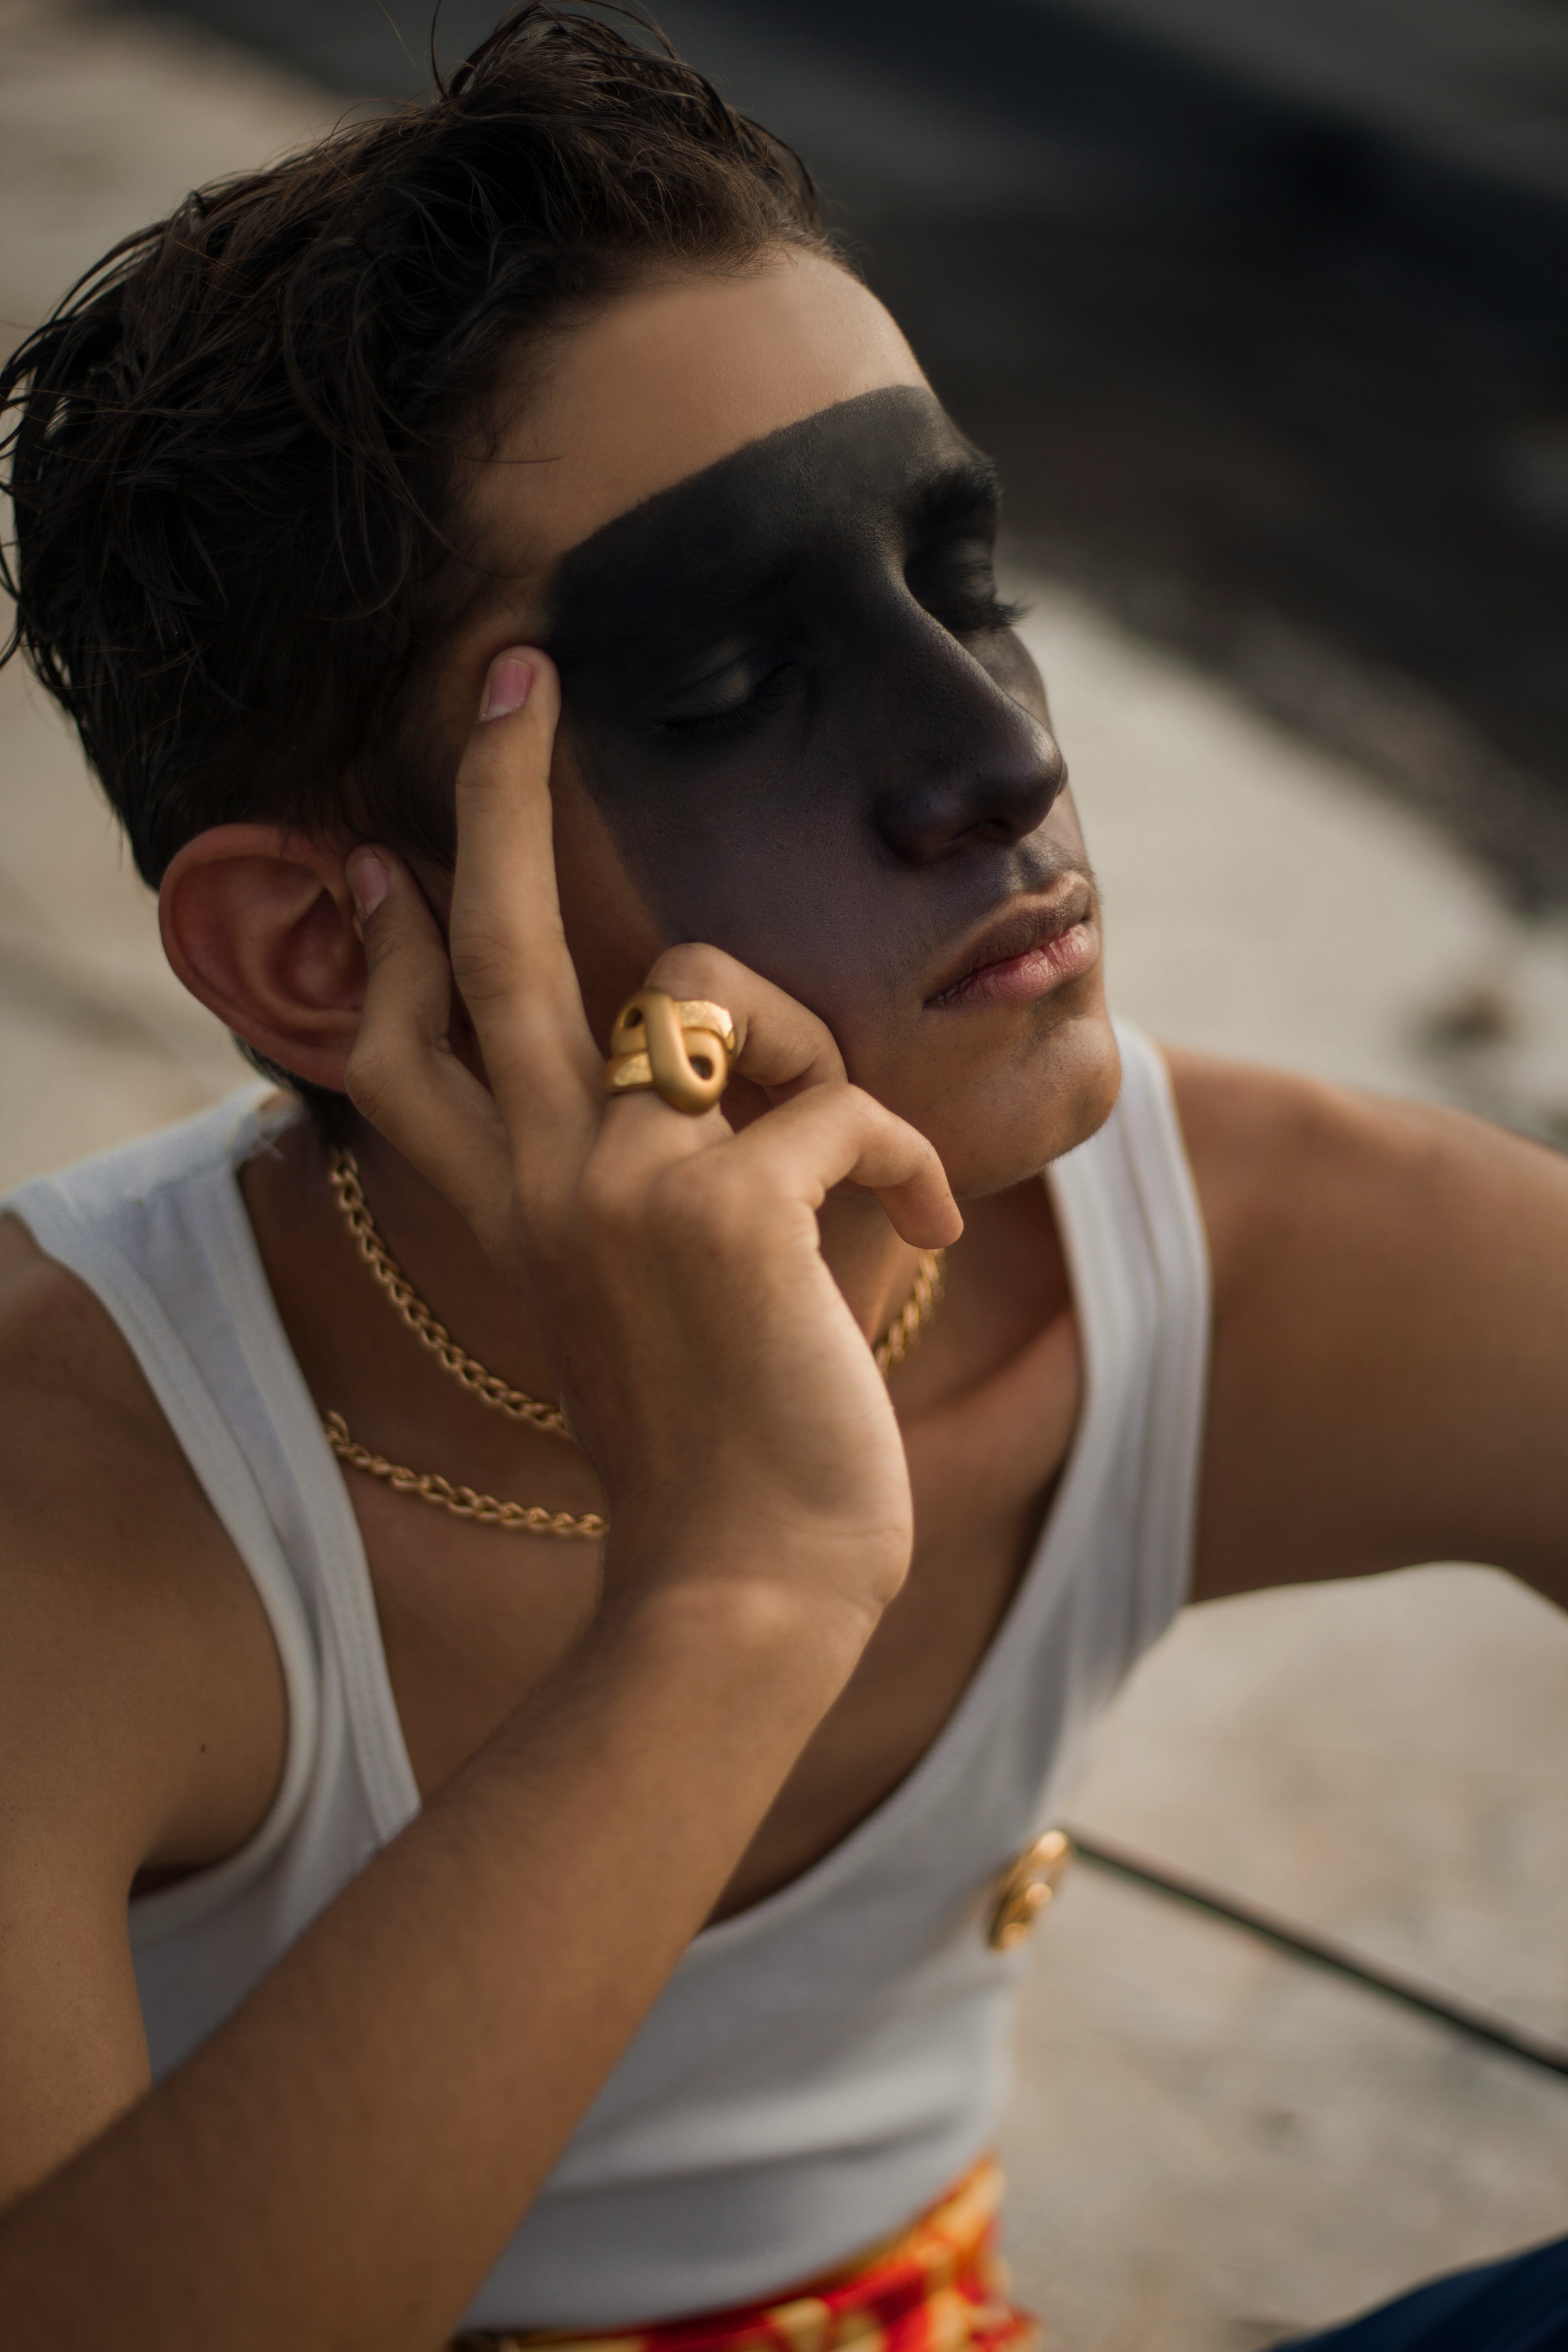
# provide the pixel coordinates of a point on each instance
(606, 1202)
(702, 1203)
(547, 1245)
(694, 968)
(835, 1106)
(485, 962)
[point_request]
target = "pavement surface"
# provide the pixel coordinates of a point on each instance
(1212, 2145)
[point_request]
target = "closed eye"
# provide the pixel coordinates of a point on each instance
(728, 700)
(954, 581)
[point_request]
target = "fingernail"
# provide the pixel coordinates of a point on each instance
(369, 880)
(506, 687)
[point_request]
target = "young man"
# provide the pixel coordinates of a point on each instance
(560, 1930)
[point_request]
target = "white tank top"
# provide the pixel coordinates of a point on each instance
(821, 2065)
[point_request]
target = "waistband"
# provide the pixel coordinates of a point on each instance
(940, 2285)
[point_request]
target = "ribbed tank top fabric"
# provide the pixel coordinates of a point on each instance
(821, 2065)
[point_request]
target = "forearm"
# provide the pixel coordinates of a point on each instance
(344, 2160)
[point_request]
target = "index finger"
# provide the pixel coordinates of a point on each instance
(508, 945)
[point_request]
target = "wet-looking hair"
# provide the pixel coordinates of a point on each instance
(232, 455)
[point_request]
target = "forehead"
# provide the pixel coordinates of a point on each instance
(798, 512)
(667, 381)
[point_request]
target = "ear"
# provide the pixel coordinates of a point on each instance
(258, 924)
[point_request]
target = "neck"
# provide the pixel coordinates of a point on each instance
(289, 1197)
(871, 1265)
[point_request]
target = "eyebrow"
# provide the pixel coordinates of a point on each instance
(956, 486)
(953, 486)
(954, 483)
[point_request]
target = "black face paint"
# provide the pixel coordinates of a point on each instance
(801, 710)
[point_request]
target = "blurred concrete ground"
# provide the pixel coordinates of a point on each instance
(1212, 2145)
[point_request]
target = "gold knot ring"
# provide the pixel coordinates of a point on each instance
(681, 1048)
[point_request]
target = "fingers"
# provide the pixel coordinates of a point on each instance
(822, 1131)
(838, 1135)
(779, 1045)
(402, 1073)
(509, 950)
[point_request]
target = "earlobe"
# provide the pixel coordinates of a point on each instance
(258, 924)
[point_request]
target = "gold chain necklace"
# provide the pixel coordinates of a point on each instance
(527, 1518)
(902, 1336)
(412, 1310)
(899, 1341)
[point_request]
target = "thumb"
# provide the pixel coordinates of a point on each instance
(408, 978)
(402, 1074)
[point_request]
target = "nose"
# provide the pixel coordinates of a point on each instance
(960, 762)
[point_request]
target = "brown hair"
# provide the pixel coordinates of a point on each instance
(230, 461)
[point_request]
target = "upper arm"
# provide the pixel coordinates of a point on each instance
(1390, 1370)
(142, 1716)
(72, 2052)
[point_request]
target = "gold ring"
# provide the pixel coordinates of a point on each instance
(681, 1048)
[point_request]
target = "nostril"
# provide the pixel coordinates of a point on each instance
(1001, 803)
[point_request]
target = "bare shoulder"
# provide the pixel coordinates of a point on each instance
(1390, 1374)
(1275, 1155)
(140, 1692)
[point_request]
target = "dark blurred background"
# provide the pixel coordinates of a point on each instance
(1262, 304)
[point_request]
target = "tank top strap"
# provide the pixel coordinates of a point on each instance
(1138, 1259)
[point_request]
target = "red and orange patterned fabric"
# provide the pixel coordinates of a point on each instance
(938, 2287)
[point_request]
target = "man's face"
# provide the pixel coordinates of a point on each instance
(795, 725)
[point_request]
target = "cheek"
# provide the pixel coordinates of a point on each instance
(1065, 831)
(759, 856)
(786, 890)
(613, 932)
(798, 901)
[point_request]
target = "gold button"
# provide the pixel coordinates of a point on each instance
(1027, 1889)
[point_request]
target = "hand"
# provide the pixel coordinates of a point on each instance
(670, 1267)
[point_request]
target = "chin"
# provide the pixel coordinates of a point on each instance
(1001, 1124)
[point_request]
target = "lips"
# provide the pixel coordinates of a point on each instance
(1024, 951)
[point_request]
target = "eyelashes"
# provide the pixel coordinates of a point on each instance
(978, 613)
